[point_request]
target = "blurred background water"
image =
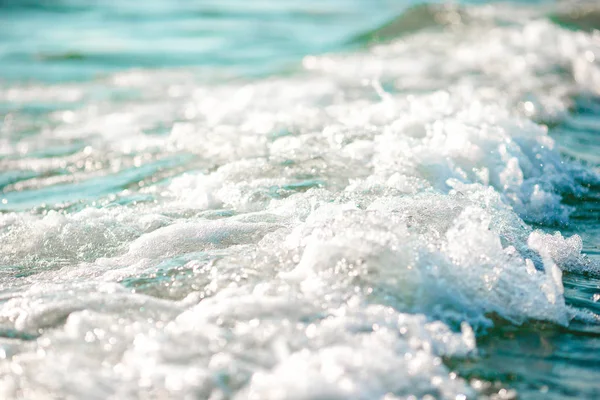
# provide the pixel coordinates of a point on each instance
(74, 40)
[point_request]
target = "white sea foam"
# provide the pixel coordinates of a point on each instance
(329, 237)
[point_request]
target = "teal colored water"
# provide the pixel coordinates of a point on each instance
(67, 40)
(367, 199)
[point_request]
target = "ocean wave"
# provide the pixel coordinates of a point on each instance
(346, 232)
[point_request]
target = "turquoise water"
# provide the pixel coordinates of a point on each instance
(311, 200)
(78, 40)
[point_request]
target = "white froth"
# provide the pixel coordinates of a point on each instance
(325, 236)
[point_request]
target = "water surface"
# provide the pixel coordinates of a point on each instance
(320, 199)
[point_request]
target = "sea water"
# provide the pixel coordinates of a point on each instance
(361, 199)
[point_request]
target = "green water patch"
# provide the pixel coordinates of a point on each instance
(11, 177)
(415, 19)
(578, 135)
(9, 333)
(279, 192)
(174, 278)
(540, 359)
(66, 56)
(579, 18)
(583, 292)
(88, 190)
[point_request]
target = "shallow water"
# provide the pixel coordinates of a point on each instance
(357, 199)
